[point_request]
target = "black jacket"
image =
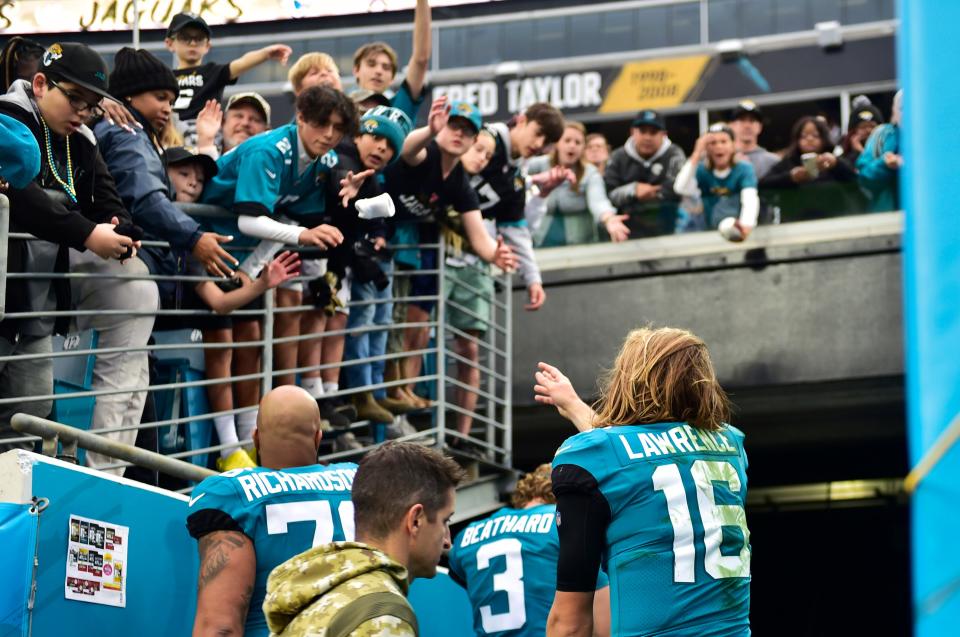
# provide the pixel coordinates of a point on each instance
(626, 168)
(32, 211)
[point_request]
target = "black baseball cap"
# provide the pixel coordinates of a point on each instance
(746, 108)
(649, 118)
(76, 63)
(180, 155)
(183, 20)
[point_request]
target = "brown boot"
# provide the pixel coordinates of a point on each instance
(396, 406)
(368, 409)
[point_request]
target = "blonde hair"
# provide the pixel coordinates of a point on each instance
(170, 136)
(662, 375)
(308, 61)
(535, 485)
(581, 165)
(375, 48)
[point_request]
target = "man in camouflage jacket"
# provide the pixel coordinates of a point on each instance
(403, 496)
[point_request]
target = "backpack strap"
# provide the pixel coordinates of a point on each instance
(369, 607)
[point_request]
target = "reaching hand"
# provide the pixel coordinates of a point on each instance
(209, 120)
(503, 256)
(106, 243)
(350, 185)
(550, 179)
(537, 296)
(553, 388)
(892, 161)
(207, 251)
(439, 115)
(279, 52)
(646, 191)
(616, 227)
(118, 115)
(322, 236)
(283, 268)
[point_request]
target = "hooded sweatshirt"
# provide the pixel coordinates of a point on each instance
(304, 594)
(626, 168)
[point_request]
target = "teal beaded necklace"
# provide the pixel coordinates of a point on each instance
(67, 185)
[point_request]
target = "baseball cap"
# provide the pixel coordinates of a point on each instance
(868, 113)
(19, 153)
(254, 99)
(467, 111)
(649, 118)
(183, 20)
(388, 122)
(180, 155)
(76, 63)
(746, 108)
(364, 94)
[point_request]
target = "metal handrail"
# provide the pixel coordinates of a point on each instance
(53, 432)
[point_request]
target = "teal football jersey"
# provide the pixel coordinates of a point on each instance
(677, 546)
(509, 563)
(263, 174)
(283, 512)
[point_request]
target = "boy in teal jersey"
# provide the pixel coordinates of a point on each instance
(508, 564)
(654, 486)
(284, 172)
(248, 521)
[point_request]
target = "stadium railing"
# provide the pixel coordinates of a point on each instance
(492, 414)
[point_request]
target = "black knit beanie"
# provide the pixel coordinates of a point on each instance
(137, 71)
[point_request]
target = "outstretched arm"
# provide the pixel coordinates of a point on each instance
(420, 55)
(279, 52)
(228, 566)
(553, 388)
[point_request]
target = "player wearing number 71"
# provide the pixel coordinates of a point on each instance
(248, 521)
(654, 486)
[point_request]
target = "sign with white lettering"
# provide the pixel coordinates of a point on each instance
(40, 16)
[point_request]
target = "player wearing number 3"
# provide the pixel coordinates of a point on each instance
(508, 564)
(248, 521)
(655, 485)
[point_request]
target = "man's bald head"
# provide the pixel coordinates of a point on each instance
(288, 428)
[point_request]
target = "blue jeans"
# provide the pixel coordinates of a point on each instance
(366, 344)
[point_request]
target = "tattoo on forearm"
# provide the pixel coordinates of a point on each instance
(214, 555)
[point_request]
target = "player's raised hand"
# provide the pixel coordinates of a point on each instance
(321, 236)
(350, 185)
(439, 115)
(553, 388)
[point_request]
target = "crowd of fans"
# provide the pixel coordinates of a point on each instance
(317, 206)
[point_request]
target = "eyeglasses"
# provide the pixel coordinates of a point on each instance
(191, 38)
(77, 103)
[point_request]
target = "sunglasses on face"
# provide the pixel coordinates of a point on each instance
(77, 102)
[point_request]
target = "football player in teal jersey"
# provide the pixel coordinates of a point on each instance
(508, 564)
(654, 486)
(248, 521)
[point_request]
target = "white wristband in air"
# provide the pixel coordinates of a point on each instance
(379, 207)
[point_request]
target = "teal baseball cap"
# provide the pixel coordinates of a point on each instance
(388, 122)
(469, 112)
(19, 153)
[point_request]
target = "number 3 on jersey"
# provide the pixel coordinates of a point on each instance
(510, 581)
(316, 511)
(714, 517)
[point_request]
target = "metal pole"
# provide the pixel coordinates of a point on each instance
(844, 111)
(136, 24)
(52, 431)
(508, 372)
(441, 335)
(266, 361)
(4, 227)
